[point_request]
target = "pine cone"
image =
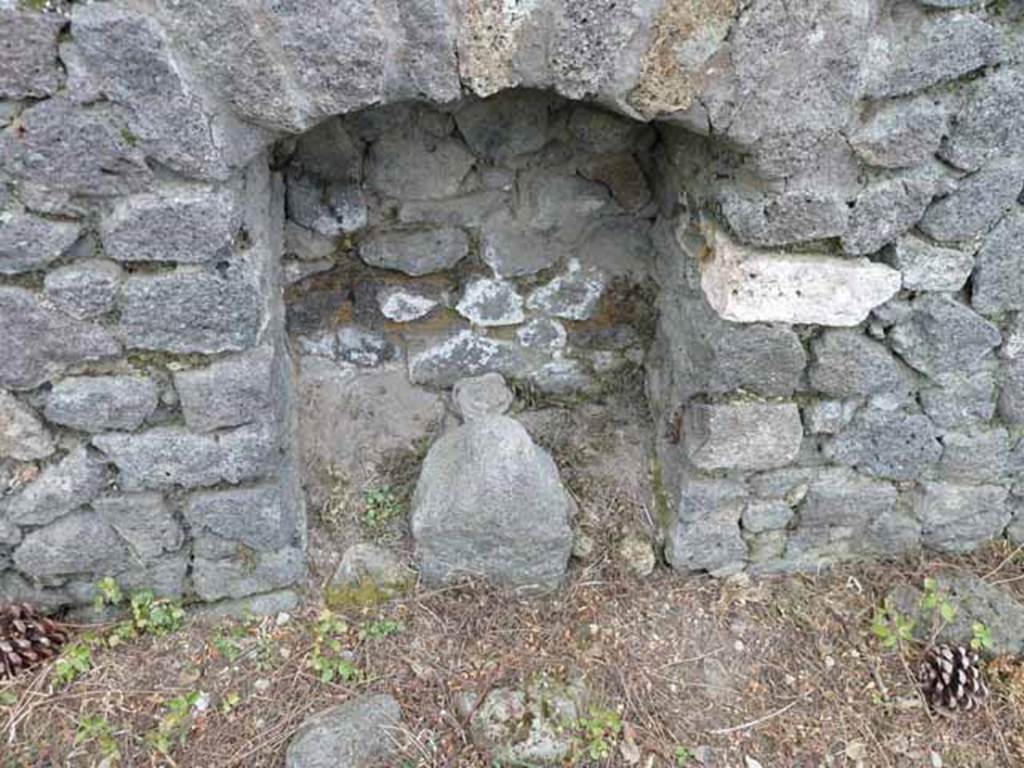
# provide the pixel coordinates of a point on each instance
(951, 678)
(26, 638)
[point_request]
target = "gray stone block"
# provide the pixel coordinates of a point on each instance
(705, 535)
(165, 457)
(766, 515)
(78, 543)
(327, 208)
(102, 403)
(601, 132)
(75, 480)
(991, 123)
(788, 217)
(357, 733)
(960, 398)
(30, 242)
(464, 354)
(242, 574)
(939, 48)
(230, 392)
(23, 436)
(40, 343)
(184, 224)
(885, 211)
(928, 267)
(742, 435)
(893, 445)
(542, 333)
(562, 377)
(570, 296)
(828, 417)
(191, 310)
(76, 149)
(417, 167)
(846, 363)
(416, 253)
(560, 203)
(506, 125)
(511, 249)
(490, 503)
(402, 305)
(957, 518)
(976, 206)
(84, 289)
(365, 563)
(491, 302)
(901, 134)
(144, 521)
(29, 43)
(363, 347)
(942, 336)
(480, 396)
(998, 281)
(981, 456)
(265, 518)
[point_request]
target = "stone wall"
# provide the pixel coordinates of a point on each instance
(835, 223)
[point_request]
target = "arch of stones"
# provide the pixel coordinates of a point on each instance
(827, 196)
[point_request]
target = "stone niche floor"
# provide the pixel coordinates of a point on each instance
(423, 244)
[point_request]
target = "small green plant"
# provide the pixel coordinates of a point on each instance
(891, 627)
(8, 698)
(933, 600)
(96, 729)
(380, 628)
(600, 731)
(683, 756)
(149, 615)
(74, 661)
(129, 138)
(380, 505)
(981, 639)
(230, 701)
(329, 658)
(228, 644)
(175, 725)
(107, 593)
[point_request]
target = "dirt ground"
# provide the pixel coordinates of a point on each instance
(777, 672)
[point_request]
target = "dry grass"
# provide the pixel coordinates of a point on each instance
(785, 671)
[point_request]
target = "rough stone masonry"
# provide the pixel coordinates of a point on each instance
(826, 196)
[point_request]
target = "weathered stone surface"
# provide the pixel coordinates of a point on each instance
(505, 125)
(327, 208)
(226, 574)
(357, 734)
(975, 601)
(784, 218)
(125, 56)
(960, 398)
(75, 480)
(601, 132)
(991, 123)
(749, 285)
(30, 242)
(23, 436)
(561, 204)
(230, 392)
(981, 456)
(941, 47)
(742, 435)
(469, 210)
(620, 246)
(901, 134)
(84, 289)
(29, 42)
(416, 253)
(364, 347)
(887, 444)
(491, 302)
(144, 521)
(191, 310)
(979, 202)
(74, 148)
(845, 516)
(883, 212)
(305, 244)
(410, 167)
(101, 403)
(464, 354)
(998, 281)
(165, 457)
(264, 518)
(542, 333)
(847, 363)
(766, 515)
(477, 397)
(572, 296)
(706, 532)
(562, 377)
(403, 305)
(40, 343)
(1011, 394)
(943, 336)
(365, 564)
(828, 417)
(928, 267)
(623, 176)
(956, 518)
(57, 550)
(490, 503)
(178, 224)
(708, 355)
(511, 249)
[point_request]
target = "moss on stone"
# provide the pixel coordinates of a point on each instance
(364, 594)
